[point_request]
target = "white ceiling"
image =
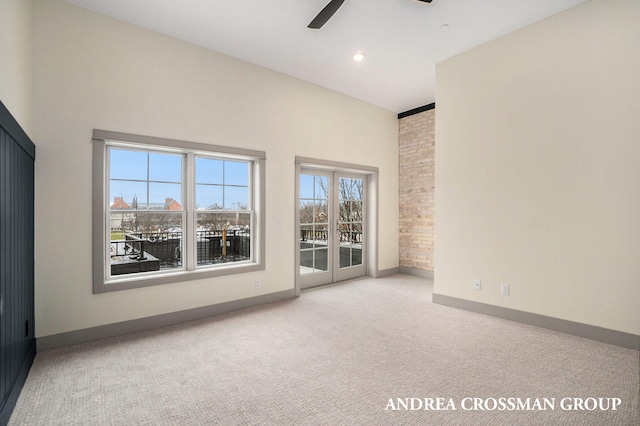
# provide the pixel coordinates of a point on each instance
(402, 39)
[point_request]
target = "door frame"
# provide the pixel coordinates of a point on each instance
(371, 208)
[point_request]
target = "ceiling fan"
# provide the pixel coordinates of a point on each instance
(328, 11)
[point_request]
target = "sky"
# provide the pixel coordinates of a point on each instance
(152, 177)
(155, 176)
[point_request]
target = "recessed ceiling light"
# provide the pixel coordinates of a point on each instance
(358, 56)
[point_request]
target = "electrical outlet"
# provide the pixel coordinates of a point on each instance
(477, 285)
(258, 284)
(505, 289)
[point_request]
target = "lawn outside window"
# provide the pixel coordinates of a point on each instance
(168, 211)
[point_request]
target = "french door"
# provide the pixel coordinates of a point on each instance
(332, 220)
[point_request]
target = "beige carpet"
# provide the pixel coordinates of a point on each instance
(335, 356)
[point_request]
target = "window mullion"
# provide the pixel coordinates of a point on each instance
(189, 234)
(252, 206)
(107, 217)
(148, 171)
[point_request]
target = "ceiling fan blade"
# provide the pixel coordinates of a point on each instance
(325, 14)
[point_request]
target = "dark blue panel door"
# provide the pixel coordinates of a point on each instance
(17, 342)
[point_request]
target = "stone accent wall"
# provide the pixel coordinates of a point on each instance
(417, 166)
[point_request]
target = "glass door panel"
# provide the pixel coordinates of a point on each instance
(332, 227)
(350, 224)
(315, 259)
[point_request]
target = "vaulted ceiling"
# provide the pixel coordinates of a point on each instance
(402, 40)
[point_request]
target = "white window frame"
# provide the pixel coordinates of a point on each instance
(102, 281)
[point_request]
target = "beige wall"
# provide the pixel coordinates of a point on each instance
(15, 51)
(416, 145)
(537, 156)
(91, 71)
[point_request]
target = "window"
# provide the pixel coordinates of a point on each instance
(168, 211)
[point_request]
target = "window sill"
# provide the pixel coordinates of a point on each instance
(151, 279)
